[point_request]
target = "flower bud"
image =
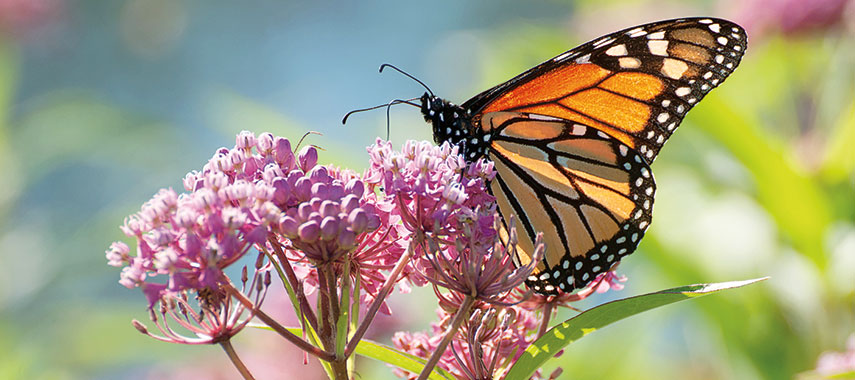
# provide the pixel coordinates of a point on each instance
(245, 140)
(303, 189)
(355, 187)
(281, 191)
(346, 239)
(358, 220)
(329, 228)
(336, 191)
(304, 210)
(288, 226)
(282, 153)
(329, 208)
(265, 143)
(319, 174)
(309, 232)
(349, 203)
(320, 190)
(308, 158)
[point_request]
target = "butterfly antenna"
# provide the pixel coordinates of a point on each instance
(385, 65)
(304, 137)
(390, 104)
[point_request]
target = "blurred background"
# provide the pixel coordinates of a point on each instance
(104, 102)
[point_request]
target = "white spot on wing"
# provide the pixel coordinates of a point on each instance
(637, 32)
(658, 47)
(603, 42)
(656, 36)
(673, 68)
(629, 62)
(682, 91)
(617, 50)
(561, 57)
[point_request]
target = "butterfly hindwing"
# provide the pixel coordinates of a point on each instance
(588, 193)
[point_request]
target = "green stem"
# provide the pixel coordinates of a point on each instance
(233, 356)
(378, 301)
(273, 324)
(544, 323)
(344, 309)
(461, 315)
(354, 322)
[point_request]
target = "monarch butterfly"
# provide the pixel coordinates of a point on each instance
(572, 139)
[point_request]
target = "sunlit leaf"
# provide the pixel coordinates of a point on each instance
(387, 355)
(598, 317)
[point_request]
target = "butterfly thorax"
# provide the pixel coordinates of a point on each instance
(453, 123)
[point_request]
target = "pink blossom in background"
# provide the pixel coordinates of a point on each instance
(790, 17)
(831, 363)
(21, 17)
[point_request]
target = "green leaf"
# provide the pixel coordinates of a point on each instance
(398, 359)
(385, 354)
(603, 315)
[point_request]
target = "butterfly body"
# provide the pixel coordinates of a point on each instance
(573, 137)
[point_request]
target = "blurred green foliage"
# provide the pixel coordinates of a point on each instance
(759, 180)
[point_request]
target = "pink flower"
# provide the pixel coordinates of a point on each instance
(832, 363)
(431, 186)
(791, 16)
(186, 241)
(328, 216)
(478, 264)
(491, 339)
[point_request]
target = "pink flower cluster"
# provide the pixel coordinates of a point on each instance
(491, 345)
(432, 187)
(421, 215)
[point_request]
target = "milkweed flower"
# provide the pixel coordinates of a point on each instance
(479, 265)
(335, 218)
(484, 348)
(430, 185)
(329, 216)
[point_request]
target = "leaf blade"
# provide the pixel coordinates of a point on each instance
(603, 315)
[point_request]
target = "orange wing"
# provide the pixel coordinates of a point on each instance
(588, 193)
(636, 84)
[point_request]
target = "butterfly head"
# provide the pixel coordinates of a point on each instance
(452, 123)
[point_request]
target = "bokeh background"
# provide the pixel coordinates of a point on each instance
(104, 102)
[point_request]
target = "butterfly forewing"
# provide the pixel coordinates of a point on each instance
(588, 193)
(636, 84)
